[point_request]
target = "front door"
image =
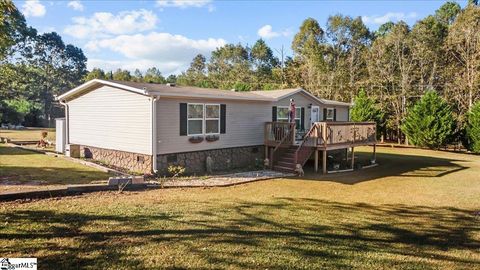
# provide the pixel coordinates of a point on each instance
(314, 115)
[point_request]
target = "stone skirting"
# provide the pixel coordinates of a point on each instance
(223, 159)
(134, 162)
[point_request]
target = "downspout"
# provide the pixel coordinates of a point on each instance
(154, 133)
(67, 128)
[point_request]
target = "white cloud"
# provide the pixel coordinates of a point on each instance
(390, 16)
(184, 3)
(33, 8)
(267, 32)
(75, 5)
(105, 24)
(170, 53)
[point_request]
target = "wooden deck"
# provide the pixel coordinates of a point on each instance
(287, 148)
(327, 135)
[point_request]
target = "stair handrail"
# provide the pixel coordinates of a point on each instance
(288, 134)
(307, 137)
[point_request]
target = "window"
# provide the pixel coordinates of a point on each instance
(203, 119)
(282, 115)
(195, 119)
(330, 114)
(212, 118)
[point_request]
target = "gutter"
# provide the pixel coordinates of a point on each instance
(154, 133)
(67, 126)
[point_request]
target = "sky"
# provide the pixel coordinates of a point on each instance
(167, 34)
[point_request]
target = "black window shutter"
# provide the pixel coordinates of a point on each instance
(302, 118)
(334, 114)
(324, 114)
(183, 119)
(223, 118)
(274, 113)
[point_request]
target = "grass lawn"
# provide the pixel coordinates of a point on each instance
(417, 210)
(18, 165)
(29, 134)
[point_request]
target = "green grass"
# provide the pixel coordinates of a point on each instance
(29, 134)
(20, 165)
(417, 210)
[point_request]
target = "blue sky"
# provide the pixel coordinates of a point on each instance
(167, 34)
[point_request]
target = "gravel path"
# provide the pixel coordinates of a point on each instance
(227, 179)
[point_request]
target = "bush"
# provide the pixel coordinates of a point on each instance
(175, 171)
(430, 122)
(473, 128)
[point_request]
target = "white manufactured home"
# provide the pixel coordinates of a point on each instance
(147, 127)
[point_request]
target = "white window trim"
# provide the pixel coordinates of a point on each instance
(333, 114)
(205, 121)
(298, 116)
(188, 119)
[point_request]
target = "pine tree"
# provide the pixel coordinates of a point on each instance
(365, 109)
(430, 122)
(473, 128)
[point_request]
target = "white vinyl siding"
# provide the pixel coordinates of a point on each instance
(111, 118)
(303, 100)
(245, 125)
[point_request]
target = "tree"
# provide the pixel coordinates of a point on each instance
(15, 110)
(122, 75)
(427, 48)
(473, 128)
(447, 13)
(230, 65)
(391, 68)
(137, 75)
(463, 48)
(54, 68)
(365, 109)
(309, 48)
(13, 28)
(350, 39)
(384, 29)
(263, 60)
(153, 75)
(171, 78)
(430, 122)
(96, 73)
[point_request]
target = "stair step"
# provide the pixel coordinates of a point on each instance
(283, 169)
(287, 159)
(286, 164)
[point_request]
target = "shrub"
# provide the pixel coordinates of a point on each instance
(473, 128)
(175, 171)
(430, 122)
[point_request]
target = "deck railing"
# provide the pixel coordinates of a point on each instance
(348, 133)
(275, 132)
(326, 134)
(308, 144)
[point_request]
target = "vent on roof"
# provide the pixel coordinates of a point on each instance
(171, 84)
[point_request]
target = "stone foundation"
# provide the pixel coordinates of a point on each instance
(223, 159)
(133, 162)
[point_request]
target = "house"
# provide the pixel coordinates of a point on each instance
(146, 127)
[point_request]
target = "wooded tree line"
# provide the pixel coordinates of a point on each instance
(33, 69)
(394, 65)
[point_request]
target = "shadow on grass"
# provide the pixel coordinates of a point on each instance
(8, 150)
(50, 175)
(397, 165)
(284, 233)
